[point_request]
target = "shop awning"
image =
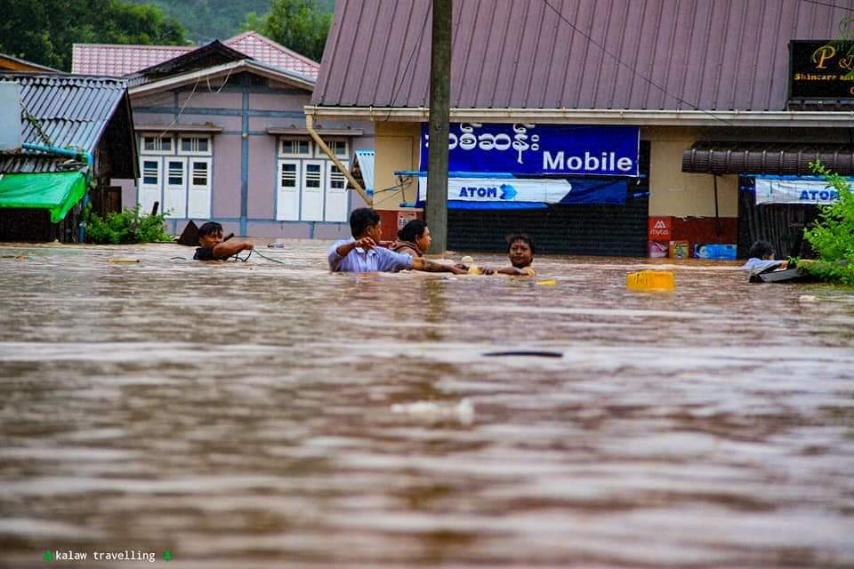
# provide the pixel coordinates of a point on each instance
(766, 158)
(56, 192)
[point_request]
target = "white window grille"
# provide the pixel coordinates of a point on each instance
(156, 145)
(339, 148)
(195, 145)
(295, 147)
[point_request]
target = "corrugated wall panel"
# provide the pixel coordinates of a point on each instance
(570, 230)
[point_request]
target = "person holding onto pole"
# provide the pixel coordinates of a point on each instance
(214, 248)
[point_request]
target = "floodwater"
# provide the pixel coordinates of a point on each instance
(263, 415)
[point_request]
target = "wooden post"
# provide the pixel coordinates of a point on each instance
(309, 125)
(440, 112)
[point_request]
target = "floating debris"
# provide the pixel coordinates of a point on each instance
(651, 281)
(527, 353)
(434, 411)
(123, 260)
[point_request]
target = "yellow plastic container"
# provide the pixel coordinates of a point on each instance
(651, 280)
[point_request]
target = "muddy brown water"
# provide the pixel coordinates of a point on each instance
(266, 415)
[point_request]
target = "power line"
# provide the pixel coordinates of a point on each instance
(416, 48)
(632, 69)
(828, 4)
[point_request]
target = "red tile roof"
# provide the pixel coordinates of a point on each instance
(120, 60)
(273, 54)
(574, 54)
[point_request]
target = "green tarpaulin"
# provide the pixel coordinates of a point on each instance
(56, 192)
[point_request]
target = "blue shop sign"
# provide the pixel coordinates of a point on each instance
(530, 149)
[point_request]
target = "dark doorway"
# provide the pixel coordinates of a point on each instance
(782, 225)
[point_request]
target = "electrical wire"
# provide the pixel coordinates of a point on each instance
(397, 86)
(181, 111)
(828, 4)
(268, 258)
(630, 68)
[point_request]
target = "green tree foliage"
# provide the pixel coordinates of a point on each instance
(296, 24)
(127, 226)
(832, 237)
(43, 31)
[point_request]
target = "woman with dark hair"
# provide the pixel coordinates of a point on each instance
(414, 239)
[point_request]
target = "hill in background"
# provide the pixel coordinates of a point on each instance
(206, 20)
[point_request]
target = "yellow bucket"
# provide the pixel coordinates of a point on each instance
(651, 280)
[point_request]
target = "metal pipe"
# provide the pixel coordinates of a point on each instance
(717, 213)
(58, 151)
(309, 125)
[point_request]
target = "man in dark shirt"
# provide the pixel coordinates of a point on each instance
(213, 248)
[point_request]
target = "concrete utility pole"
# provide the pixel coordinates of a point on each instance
(440, 114)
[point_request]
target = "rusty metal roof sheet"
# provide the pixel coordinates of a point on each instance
(574, 54)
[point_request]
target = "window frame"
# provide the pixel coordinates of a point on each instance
(286, 139)
(181, 152)
(157, 152)
(332, 144)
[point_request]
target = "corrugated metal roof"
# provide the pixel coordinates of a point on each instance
(574, 54)
(208, 55)
(365, 161)
(70, 111)
(120, 60)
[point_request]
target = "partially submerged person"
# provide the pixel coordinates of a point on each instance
(414, 239)
(361, 254)
(761, 258)
(520, 252)
(214, 248)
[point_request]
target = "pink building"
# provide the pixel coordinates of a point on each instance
(222, 136)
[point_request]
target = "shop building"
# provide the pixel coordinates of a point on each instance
(707, 91)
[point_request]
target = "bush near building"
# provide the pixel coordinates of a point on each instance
(832, 237)
(126, 226)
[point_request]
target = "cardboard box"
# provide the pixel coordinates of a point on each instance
(718, 251)
(679, 250)
(657, 249)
